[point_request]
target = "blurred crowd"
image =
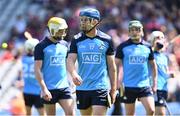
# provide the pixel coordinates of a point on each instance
(163, 15)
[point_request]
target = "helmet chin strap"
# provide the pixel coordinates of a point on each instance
(135, 38)
(92, 27)
(58, 38)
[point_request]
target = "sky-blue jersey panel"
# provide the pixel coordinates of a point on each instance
(92, 63)
(31, 85)
(54, 63)
(135, 59)
(162, 64)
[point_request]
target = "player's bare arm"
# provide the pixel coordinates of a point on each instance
(112, 75)
(119, 78)
(154, 74)
(45, 93)
(71, 60)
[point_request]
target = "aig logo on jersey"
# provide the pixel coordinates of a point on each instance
(91, 58)
(57, 60)
(137, 59)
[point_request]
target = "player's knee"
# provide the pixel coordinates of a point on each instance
(70, 112)
(150, 111)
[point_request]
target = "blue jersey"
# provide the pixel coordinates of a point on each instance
(162, 64)
(53, 56)
(92, 64)
(31, 85)
(135, 58)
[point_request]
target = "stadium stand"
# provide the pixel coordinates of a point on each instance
(19, 16)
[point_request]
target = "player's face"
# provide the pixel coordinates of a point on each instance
(86, 23)
(135, 32)
(61, 33)
(159, 38)
(159, 42)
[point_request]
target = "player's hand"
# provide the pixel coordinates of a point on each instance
(172, 75)
(46, 95)
(76, 79)
(19, 84)
(119, 85)
(154, 88)
(113, 96)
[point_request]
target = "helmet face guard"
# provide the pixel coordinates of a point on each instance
(135, 23)
(135, 29)
(57, 27)
(86, 24)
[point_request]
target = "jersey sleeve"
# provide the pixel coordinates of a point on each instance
(38, 52)
(151, 54)
(73, 46)
(119, 52)
(110, 50)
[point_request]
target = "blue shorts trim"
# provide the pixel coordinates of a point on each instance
(58, 94)
(88, 98)
(161, 97)
(132, 93)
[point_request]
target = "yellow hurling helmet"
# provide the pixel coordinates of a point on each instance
(55, 24)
